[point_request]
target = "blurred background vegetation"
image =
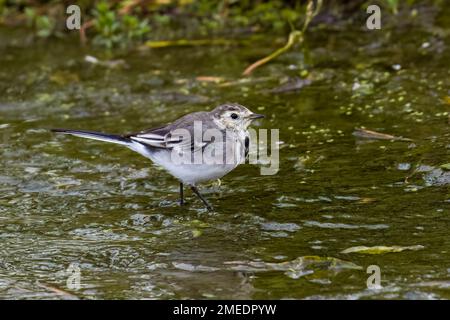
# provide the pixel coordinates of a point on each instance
(122, 24)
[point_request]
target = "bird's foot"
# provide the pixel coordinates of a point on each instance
(205, 202)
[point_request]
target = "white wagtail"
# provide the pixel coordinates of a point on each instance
(197, 147)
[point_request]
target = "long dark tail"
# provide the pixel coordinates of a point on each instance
(96, 136)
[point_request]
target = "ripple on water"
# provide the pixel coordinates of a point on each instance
(276, 226)
(329, 225)
(193, 268)
(99, 234)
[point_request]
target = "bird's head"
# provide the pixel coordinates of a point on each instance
(234, 116)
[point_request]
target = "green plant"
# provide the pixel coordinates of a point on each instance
(106, 25)
(113, 30)
(393, 5)
(45, 26)
(133, 28)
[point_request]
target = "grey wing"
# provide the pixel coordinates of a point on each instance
(172, 136)
(157, 137)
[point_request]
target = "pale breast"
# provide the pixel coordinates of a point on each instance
(214, 161)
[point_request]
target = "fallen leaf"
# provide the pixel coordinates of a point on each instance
(380, 249)
(58, 291)
(209, 79)
(113, 64)
(368, 134)
(296, 268)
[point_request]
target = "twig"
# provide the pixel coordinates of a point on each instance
(83, 28)
(295, 36)
(57, 291)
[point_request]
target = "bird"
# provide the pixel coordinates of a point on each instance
(195, 148)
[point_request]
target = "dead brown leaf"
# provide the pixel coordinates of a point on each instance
(369, 134)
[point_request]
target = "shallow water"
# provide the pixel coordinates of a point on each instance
(111, 212)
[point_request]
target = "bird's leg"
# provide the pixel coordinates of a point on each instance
(181, 194)
(208, 206)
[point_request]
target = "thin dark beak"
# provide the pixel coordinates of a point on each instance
(255, 116)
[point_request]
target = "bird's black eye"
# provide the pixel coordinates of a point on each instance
(234, 116)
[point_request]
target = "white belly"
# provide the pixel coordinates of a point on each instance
(192, 173)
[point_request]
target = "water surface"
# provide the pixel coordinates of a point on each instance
(113, 213)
